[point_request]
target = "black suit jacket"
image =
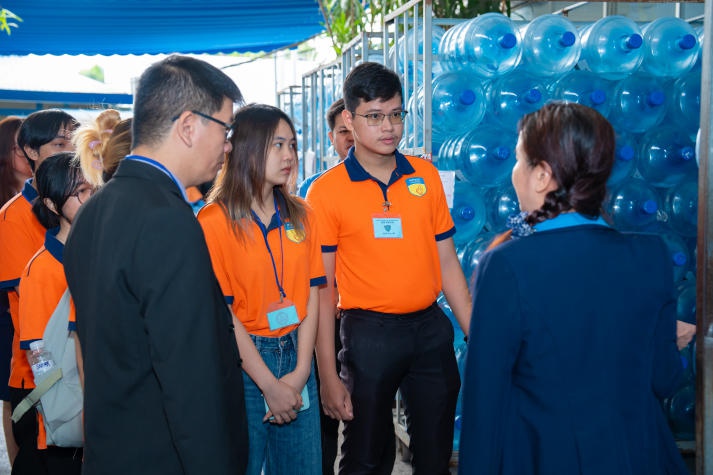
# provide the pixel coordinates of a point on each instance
(163, 382)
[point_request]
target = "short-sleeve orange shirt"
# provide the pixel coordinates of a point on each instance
(245, 271)
(21, 235)
(388, 275)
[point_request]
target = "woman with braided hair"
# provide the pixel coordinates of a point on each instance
(573, 332)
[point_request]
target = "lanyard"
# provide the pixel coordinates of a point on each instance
(160, 166)
(278, 279)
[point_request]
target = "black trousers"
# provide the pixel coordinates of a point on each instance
(412, 352)
(32, 461)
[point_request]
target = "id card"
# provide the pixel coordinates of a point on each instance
(305, 401)
(282, 314)
(387, 226)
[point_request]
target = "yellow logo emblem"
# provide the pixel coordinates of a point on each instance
(294, 235)
(416, 186)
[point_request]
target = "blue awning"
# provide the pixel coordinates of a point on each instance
(108, 27)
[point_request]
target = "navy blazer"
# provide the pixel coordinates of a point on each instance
(163, 382)
(572, 342)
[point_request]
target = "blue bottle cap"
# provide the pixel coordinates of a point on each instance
(508, 41)
(466, 213)
(679, 259)
(688, 153)
(501, 152)
(625, 153)
(467, 97)
(649, 207)
(598, 97)
(634, 41)
(655, 98)
(567, 39)
(533, 96)
(687, 42)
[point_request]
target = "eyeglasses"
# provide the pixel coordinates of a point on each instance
(377, 118)
(83, 193)
(228, 127)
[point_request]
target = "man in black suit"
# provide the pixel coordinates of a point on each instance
(163, 387)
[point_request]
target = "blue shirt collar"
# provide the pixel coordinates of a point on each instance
(357, 173)
(52, 245)
(28, 191)
(566, 220)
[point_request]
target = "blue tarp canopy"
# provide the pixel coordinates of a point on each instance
(108, 27)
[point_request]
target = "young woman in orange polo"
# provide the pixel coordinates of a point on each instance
(267, 258)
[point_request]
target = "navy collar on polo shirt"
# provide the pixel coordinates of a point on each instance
(52, 245)
(357, 173)
(28, 191)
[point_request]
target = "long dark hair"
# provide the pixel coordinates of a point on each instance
(57, 177)
(8, 183)
(243, 175)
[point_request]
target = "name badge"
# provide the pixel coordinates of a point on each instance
(282, 314)
(387, 227)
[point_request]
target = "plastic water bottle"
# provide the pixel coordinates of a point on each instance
(667, 156)
(678, 251)
(686, 301)
(488, 45)
(458, 334)
(404, 52)
(670, 47)
(461, 351)
(501, 202)
(611, 47)
(632, 205)
(468, 212)
(458, 103)
(624, 159)
(515, 95)
(550, 46)
(445, 156)
(639, 104)
(681, 207)
(486, 155)
(586, 88)
(681, 410)
(40, 360)
(686, 103)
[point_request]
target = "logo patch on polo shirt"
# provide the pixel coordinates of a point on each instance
(294, 235)
(416, 186)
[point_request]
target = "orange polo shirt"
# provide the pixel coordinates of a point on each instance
(398, 274)
(245, 270)
(21, 235)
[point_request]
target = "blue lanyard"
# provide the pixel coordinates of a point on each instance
(278, 279)
(160, 166)
(565, 220)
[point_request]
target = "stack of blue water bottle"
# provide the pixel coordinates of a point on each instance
(645, 78)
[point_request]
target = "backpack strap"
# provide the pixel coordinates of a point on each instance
(34, 397)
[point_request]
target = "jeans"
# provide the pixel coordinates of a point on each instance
(382, 353)
(282, 449)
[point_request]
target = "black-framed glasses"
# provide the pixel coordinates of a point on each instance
(377, 118)
(83, 193)
(228, 127)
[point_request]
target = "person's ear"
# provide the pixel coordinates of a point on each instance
(185, 127)
(330, 134)
(544, 181)
(50, 205)
(348, 117)
(33, 154)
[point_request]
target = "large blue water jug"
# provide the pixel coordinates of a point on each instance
(550, 46)
(639, 104)
(668, 155)
(468, 212)
(512, 96)
(611, 47)
(670, 47)
(470, 253)
(586, 88)
(681, 207)
(445, 158)
(681, 411)
(458, 336)
(686, 104)
(624, 159)
(409, 52)
(458, 104)
(501, 203)
(678, 252)
(488, 45)
(461, 351)
(686, 301)
(486, 155)
(632, 205)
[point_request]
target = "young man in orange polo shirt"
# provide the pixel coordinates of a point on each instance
(387, 237)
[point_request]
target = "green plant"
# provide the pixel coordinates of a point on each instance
(8, 20)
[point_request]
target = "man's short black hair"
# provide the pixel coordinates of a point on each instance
(369, 81)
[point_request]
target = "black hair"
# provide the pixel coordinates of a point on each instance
(577, 142)
(57, 177)
(369, 81)
(173, 85)
(41, 127)
(334, 110)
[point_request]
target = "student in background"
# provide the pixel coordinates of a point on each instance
(42, 134)
(386, 235)
(90, 140)
(266, 255)
(62, 189)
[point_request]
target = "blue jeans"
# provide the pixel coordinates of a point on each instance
(282, 449)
